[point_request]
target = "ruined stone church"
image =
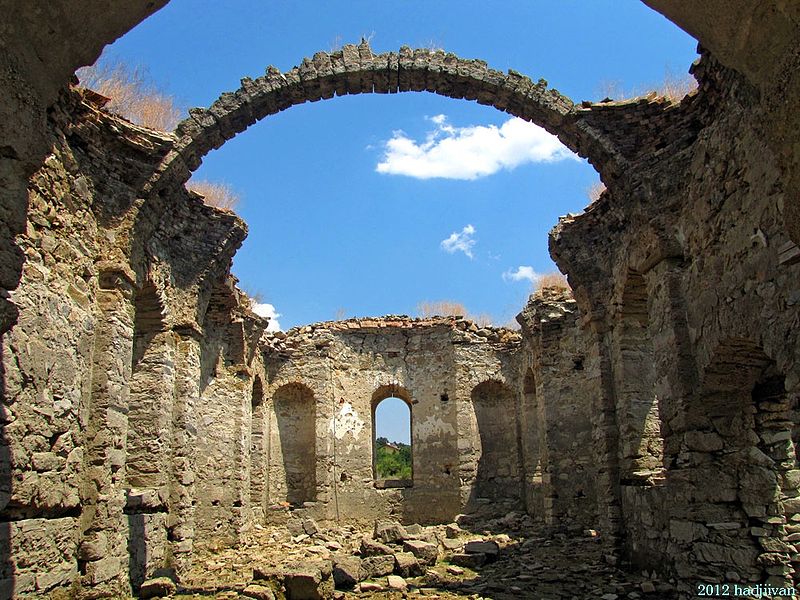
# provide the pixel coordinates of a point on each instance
(146, 415)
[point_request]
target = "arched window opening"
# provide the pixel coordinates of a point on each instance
(641, 442)
(498, 461)
(293, 453)
(392, 453)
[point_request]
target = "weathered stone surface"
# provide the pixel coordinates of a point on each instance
(258, 592)
(389, 532)
(346, 571)
(305, 585)
(425, 552)
(655, 405)
(395, 582)
(407, 565)
(489, 548)
(377, 566)
(370, 547)
(160, 586)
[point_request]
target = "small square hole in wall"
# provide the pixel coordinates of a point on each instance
(444, 397)
(577, 363)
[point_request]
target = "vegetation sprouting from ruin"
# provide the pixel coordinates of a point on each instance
(392, 459)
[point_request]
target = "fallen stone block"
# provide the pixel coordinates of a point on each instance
(452, 530)
(396, 583)
(389, 532)
(308, 584)
(369, 586)
(407, 565)
(452, 545)
(346, 571)
(258, 592)
(310, 527)
(427, 553)
(454, 570)
(489, 548)
(470, 561)
(377, 566)
(303, 581)
(370, 547)
(159, 586)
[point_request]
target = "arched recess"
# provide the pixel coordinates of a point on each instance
(151, 398)
(498, 460)
(387, 392)
(149, 437)
(258, 454)
(533, 446)
(357, 70)
(641, 444)
(738, 466)
(292, 473)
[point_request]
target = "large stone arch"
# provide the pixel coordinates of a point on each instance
(358, 70)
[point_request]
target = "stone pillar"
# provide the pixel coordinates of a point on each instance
(149, 456)
(103, 552)
(676, 372)
(606, 430)
(182, 484)
(258, 453)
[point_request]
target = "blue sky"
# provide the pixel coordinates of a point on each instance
(369, 205)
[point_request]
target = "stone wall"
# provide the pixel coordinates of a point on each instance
(324, 382)
(683, 271)
(560, 390)
(98, 419)
(137, 416)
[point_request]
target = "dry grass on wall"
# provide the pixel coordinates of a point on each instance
(450, 308)
(673, 87)
(218, 195)
(594, 191)
(552, 281)
(131, 95)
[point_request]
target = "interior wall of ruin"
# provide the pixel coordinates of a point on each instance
(700, 229)
(335, 374)
(101, 377)
(703, 213)
(560, 370)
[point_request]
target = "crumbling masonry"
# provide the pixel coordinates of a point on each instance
(145, 412)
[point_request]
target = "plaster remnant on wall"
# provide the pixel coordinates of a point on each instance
(346, 421)
(433, 426)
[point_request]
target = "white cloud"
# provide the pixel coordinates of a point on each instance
(268, 312)
(470, 152)
(522, 273)
(460, 241)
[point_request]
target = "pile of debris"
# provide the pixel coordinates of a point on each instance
(458, 560)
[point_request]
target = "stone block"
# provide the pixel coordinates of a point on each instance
(308, 583)
(370, 547)
(395, 582)
(425, 552)
(452, 545)
(258, 592)
(407, 565)
(377, 566)
(159, 586)
(346, 571)
(470, 561)
(489, 548)
(389, 532)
